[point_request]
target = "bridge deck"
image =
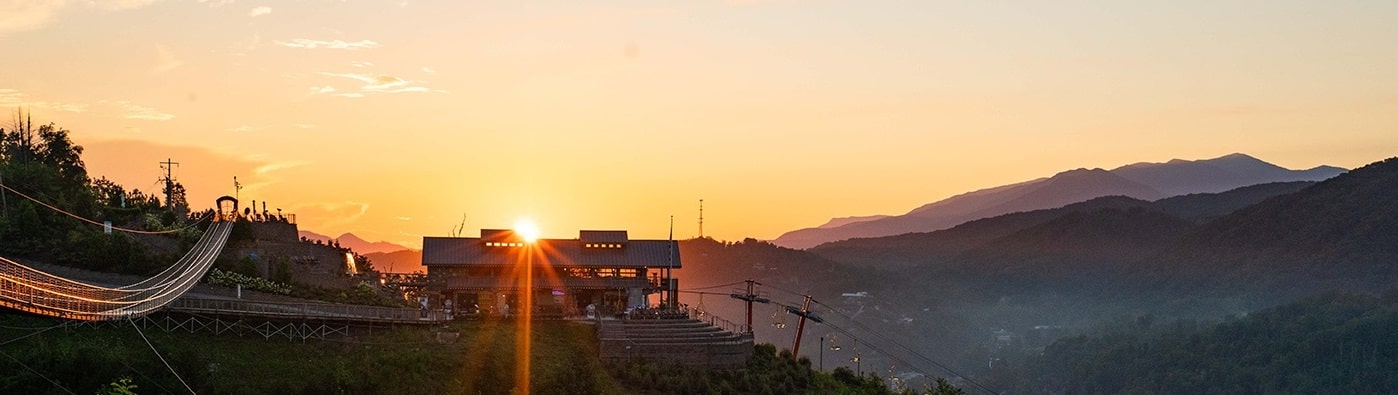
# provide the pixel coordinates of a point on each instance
(303, 311)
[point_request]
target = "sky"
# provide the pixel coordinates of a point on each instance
(401, 119)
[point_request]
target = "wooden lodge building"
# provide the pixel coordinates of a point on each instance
(605, 269)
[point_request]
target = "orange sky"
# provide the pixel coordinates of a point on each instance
(393, 119)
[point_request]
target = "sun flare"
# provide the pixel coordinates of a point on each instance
(526, 229)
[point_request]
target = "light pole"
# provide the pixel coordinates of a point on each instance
(834, 346)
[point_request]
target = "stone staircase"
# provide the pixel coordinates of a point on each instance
(679, 341)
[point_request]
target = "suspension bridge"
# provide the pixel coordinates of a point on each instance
(35, 291)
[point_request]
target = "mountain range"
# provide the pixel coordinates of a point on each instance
(1201, 256)
(1143, 181)
(353, 242)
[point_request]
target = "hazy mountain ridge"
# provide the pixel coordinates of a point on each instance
(944, 245)
(1147, 181)
(356, 243)
(1325, 233)
(1198, 256)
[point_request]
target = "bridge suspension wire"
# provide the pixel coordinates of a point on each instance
(81, 218)
(157, 355)
(27, 289)
(25, 366)
(900, 346)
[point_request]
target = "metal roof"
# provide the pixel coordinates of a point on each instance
(454, 251)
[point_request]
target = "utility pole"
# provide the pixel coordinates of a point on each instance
(750, 297)
(169, 165)
(4, 204)
(805, 313)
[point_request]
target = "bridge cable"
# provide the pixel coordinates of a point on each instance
(717, 286)
(80, 218)
(157, 355)
(907, 349)
(36, 373)
(26, 367)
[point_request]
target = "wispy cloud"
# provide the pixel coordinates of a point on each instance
(135, 111)
(428, 70)
(22, 15)
(332, 44)
(260, 11)
(271, 167)
(373, 84)
(165, 60)
(333, 214)
(361, 64)
(243, 129)
(18, 16)
(305, 126)
(11, 98)
(216, 3)
(118, 5)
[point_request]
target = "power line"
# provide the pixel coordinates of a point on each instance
(719, 286)
(157, 355)
(907, 349)
(26, 367)
(80, 218)
(36, 373)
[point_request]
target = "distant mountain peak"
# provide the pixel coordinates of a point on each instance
(1143, 180)
(356, 243)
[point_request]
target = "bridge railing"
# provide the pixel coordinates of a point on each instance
(305, 310)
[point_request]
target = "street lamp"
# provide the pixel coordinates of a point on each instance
(834, 346)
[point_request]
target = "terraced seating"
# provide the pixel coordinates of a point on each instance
(682, 341)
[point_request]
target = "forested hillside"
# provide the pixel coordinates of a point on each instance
(1317, 345)
(42, 162)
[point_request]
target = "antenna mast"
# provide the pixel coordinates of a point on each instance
(701, 218)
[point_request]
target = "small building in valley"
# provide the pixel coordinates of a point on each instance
(605, 269)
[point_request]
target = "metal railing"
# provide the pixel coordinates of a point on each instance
(27, 289)
(306, 310)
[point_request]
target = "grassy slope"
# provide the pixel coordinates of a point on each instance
(403, 361)
(400, 361)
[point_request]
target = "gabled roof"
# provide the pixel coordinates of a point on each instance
(462, 251)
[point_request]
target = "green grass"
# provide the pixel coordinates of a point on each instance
(407, 360)
(114, 358)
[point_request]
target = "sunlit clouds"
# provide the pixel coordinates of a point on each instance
(372, 84)
(331, 44)
(18, 16)
(11, 98)
(780, 113)
(165, 60)
(135, 111)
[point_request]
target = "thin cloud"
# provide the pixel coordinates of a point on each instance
(11, 98)
(135, 111)
(361, 64)
(332, 44)
(259, 11)
(165, 60)
(243, 129)
(429, 70)
(271, 167)
(118, 5)
(374, 84)
(18, 16)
